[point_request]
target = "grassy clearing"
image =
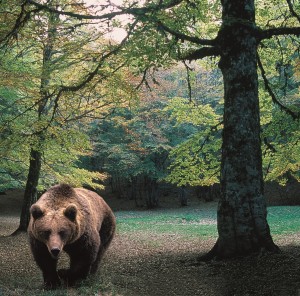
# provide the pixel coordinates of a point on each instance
(191, 223)
(183, 222)
(284, 220)
(152, 238)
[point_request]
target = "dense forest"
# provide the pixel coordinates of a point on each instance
(196, 93)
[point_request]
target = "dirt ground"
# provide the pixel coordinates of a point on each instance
(160, 265)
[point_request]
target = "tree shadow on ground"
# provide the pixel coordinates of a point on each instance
(156, 271)
(165, 273)
(138, 265)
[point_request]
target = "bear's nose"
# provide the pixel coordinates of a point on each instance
(55, 252)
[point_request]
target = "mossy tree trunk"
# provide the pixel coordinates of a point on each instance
(30, 195)
(242, 213)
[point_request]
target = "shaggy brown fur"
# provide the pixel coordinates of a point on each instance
(75, 220)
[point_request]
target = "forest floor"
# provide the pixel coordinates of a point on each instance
(143, 263)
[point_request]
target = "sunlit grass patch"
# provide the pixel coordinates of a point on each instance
(284, 220)
(190, 223)
(178, 222)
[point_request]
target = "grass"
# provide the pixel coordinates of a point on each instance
(145, 229)
(284, 220)
(183, 222)
(91, 286)
(191, 223)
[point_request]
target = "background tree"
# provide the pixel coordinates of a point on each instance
(58, 100)
(132, 146)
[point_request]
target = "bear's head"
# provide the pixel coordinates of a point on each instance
(55, 228)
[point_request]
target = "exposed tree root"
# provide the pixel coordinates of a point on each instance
(219, 253)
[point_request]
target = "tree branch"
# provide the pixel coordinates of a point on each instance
(292, 11)
(185, 37)
(136, 11)
(272, 94)
(21, 20)
(45, 7)
(269, 145)
(212, 130)
(188, 79)
(267, 34)
(151, 7)
(201, 53)
(143, 79)
(92, 74)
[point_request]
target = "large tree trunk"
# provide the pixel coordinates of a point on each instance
(242, 214)
(30, 195)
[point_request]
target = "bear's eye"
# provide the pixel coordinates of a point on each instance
(62, 233)
(45, 234)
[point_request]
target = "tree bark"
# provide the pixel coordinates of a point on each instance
(151, 193)
(35, 164)
(30, 195)
(182, 194)
(242, 213)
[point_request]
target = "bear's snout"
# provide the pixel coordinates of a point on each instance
(55, 245)
(55, 252)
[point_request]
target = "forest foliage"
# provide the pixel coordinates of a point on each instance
(102, 115)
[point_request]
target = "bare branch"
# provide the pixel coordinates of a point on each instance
(212, 130)
(292, 11)
(21, 20)
(106, 16)
(267, 34)
(188, 78)
(272, 94)
(87, 112)
(269, 145)
(92, 74)
(185, 37)
(151, 7)
(143, 80)
(136, 11)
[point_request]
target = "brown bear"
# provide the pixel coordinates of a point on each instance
(75, 220)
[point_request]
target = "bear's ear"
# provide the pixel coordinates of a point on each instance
(70, 212)
(36, 211)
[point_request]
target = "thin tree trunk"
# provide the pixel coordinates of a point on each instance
(151, 193)
(134, 190)
(182, 194)
(30, 195)
(242, 214)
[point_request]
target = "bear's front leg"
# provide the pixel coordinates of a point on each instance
(46, 263)
(79, 270)
(82, 254)
(51, 280)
